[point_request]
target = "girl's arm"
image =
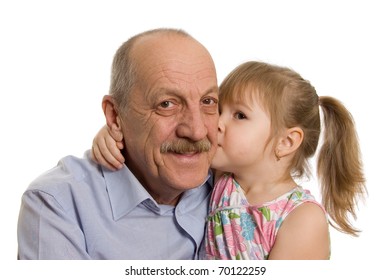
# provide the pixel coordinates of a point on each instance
(303, 235)
(107, 151)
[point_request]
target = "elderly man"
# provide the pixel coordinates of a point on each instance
(163, 99)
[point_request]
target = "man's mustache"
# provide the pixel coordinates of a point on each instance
(183, 146)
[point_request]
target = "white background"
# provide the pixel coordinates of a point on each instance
(55, 59)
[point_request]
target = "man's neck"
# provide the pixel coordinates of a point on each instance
(162, 194)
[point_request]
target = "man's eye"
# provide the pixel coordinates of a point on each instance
(166, 104)
(240, 116)
(209, 101)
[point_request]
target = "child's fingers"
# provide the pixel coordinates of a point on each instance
(120, 145)
(113, 153)
(102, 150)
(98, 158)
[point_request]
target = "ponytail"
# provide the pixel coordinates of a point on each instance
(339, 165)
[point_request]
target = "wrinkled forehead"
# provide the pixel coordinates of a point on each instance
(174, 63)
(171, 50)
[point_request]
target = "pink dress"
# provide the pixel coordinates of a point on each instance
(238, 230)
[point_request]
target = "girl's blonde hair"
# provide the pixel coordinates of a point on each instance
(292, 101)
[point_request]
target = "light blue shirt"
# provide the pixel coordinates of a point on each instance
(79, 210)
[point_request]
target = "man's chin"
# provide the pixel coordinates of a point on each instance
(186, 179)
(186, 171)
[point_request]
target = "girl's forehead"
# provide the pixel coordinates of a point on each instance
(243, 95)
(243, 104)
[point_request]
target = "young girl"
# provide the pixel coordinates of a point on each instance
(269, 127)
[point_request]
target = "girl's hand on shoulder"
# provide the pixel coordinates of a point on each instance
(107, 151)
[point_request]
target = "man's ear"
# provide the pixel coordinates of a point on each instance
(113, 120)
(289, 142)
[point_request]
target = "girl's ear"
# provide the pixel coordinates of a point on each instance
(113, 120)
(289, 142)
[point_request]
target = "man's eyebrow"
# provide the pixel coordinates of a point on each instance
(165, 91)
(213, 89)
(174, 91)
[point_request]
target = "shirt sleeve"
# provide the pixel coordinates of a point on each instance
(45, 231)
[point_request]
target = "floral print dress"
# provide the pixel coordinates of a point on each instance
(238, 230)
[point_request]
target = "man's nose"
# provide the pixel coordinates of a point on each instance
(192, 124)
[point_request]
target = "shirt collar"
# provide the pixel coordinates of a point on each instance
(124, 190)
(126, 193)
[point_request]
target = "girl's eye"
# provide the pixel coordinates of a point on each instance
(240, 116)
